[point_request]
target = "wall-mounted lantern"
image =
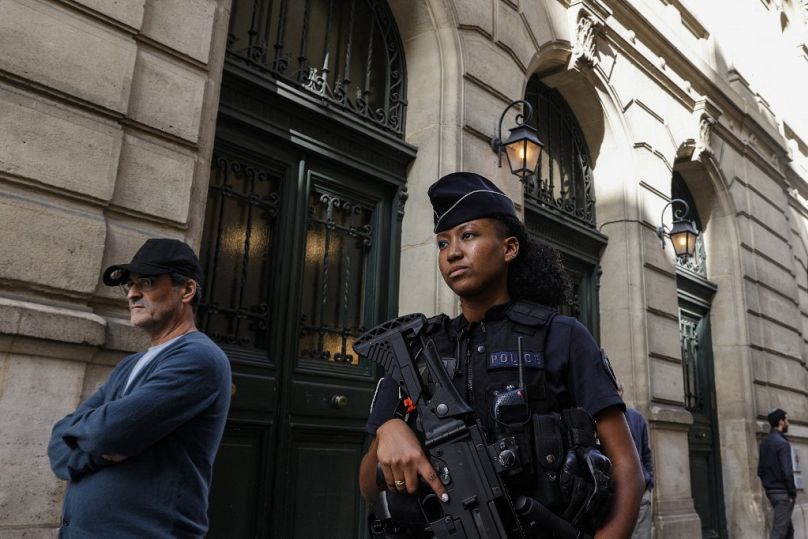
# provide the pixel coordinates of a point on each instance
(683, 232)
(522, 147)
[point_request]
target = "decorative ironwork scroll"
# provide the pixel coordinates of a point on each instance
(337, 246)
(346, 52)
(689, 337)
(241, 210)
(563, 181)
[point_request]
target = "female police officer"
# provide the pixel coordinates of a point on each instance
(502, 278)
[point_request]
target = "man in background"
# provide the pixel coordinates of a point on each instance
(138, 454)
(639, 431)
(777, 474)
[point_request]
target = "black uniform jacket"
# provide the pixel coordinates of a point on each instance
(564, 366)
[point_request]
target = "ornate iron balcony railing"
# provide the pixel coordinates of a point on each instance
(348, 53)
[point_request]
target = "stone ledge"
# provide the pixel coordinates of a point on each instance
(51, 323)
(673, 416)
(40, 330)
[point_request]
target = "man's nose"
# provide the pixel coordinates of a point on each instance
(133, 293)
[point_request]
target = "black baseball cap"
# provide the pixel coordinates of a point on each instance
(155, 257)
(464, 196)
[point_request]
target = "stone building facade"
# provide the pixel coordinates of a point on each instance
(111, 114)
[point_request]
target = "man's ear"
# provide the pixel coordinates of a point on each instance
(188, 291)
(511, 245)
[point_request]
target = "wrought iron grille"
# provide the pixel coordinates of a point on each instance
(240, 214)
(346, 52)
(689, 337)
(563, 181)
(697, 264)
(573, 305)
(337, 246)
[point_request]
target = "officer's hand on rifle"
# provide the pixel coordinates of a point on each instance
(402, 460)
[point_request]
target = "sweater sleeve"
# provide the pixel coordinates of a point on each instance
(71, 463)
(182, 385)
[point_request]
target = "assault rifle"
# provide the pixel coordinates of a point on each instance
(479, 505)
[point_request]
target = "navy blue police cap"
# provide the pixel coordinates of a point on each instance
(464, 196)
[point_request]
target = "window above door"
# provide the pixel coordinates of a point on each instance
(346, 54)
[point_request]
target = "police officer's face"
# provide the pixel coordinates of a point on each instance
(474, 257)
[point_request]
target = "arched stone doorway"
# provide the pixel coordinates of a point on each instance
(695, 294)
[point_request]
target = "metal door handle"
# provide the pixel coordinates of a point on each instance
(701, 435)
(340, 402)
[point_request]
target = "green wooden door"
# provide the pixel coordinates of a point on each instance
(699, 381)
(296, 251)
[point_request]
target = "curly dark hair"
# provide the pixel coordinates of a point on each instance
(537, 274)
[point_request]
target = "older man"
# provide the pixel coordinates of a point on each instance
(138, 453)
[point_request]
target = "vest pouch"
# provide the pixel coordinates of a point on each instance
(548, 452)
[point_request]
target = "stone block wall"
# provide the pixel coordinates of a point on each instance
(107, 110)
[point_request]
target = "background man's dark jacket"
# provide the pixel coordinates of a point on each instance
(774, 468)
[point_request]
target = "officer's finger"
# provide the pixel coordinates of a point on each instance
(411, 478)
(431, 476)
(400, 485)
(388, 476)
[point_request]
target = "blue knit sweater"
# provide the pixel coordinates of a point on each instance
(168, 424)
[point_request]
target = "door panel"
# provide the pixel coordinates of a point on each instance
(324, 464)
(342, 260)
(253, 392)
(704, 447)
(238, 480)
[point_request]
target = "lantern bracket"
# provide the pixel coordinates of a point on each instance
(679, 217)
(522, 118)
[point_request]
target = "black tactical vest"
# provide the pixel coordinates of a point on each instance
(490, 363)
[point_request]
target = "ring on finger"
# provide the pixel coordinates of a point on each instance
(400, 483)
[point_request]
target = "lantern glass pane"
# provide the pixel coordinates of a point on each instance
(523, 156)
(679, 241)
(691, 244)
(516, 156)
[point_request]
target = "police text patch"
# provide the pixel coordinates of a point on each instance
(510, 360)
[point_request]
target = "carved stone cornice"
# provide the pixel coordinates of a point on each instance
(585, 48)
(699, 147)
(705, 114)
(587, 18)
(703, 148)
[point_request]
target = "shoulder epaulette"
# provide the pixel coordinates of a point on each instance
(530, 314)
(435, 323)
